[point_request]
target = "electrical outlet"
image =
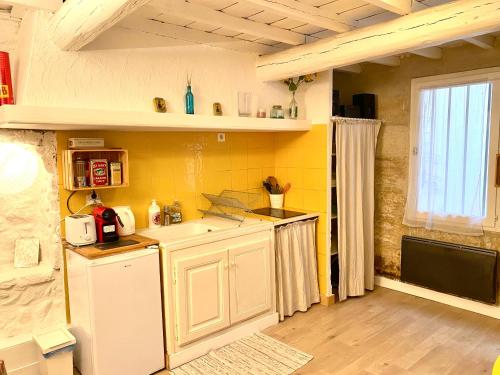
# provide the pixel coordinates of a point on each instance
(221, 137)
(89, 200)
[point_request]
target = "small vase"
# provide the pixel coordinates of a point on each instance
(189, 101)
(293, 110)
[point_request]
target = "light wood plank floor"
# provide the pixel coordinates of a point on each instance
(388, 332)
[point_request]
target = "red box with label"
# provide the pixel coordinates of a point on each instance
(98, 172)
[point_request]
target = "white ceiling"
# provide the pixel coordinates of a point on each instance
(357, 12)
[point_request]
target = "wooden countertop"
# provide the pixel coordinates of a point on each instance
(92, 252)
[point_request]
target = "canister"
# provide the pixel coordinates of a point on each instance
(6, 93)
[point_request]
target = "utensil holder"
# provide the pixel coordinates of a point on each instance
(276, 200)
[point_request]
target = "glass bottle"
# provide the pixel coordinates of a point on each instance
(189, 101)
(293, 110)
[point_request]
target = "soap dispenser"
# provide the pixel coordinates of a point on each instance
(154, 216)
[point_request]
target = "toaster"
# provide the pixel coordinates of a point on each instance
(80, 230)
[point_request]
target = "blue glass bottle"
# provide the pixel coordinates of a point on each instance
(189, 101)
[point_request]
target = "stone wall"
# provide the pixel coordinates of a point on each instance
(392, 88)
(30, 298)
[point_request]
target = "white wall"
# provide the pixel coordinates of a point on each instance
(129, 79)
(30, 298)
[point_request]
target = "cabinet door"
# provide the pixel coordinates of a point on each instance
(201, 295)
(250, 279)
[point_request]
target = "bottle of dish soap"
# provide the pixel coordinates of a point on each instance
(154, 216)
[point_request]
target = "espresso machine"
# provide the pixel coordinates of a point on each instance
(106, 224)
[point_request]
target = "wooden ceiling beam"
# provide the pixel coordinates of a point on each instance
(78, 22)
(401, 7)
(482, 41)
(431, 53)
(20, 7)
(389, 61)
(200, 13)
(180, 34)
(50, 5)
(356, 68)
(306, 13)
(427, 28)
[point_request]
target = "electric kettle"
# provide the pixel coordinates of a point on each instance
(127, 218)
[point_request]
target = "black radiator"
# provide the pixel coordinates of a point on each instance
(463, 271)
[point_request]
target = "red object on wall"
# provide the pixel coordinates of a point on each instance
(6, 93)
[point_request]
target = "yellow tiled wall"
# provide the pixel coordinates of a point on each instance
(301, 159)
(169, 165)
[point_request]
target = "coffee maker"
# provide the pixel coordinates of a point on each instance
(106, 223)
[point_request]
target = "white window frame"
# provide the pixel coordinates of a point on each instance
(491, 75)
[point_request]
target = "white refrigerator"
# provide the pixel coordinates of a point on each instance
(116, 313)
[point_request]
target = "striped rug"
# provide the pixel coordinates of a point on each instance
(254, 355)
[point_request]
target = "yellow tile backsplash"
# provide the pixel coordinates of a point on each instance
(170, 165)
(301, 159)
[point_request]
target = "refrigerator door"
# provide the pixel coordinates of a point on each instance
(126, 311)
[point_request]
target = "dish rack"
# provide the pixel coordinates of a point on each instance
(230, 204)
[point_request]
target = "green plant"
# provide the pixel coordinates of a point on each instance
(293, 84)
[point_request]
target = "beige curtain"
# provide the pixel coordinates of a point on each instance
(296, 267)
(356, 141)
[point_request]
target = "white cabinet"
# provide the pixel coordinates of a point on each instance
(249, 280)
(218, 289)
(201, 295)
(116, 313)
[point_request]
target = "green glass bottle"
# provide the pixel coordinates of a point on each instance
(189, 99)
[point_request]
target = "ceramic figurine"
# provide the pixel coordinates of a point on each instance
(217, 109)
(160, 105)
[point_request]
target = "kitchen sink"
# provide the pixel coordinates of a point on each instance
(178, 232)
(195, 232)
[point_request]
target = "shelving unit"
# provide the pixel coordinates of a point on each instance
(110, 154)
(54, 118)
(333, 211)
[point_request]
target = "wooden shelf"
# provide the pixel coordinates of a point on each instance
(54, 118)
(110, 154)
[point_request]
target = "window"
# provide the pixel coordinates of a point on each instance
(454, 141)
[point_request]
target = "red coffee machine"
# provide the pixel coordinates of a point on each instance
(106, 224)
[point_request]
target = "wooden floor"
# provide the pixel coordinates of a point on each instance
(388, 332)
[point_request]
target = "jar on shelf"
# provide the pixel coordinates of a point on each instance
(81, 167)
(277, 112)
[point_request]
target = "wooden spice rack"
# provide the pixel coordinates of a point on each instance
(110, 154)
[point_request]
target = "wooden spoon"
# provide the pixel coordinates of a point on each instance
(286, 187)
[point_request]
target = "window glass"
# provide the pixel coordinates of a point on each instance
(453, 150)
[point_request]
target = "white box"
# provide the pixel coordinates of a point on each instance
(56, 352)
(78, 143)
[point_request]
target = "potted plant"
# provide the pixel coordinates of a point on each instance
(276, 192)
(293, 85)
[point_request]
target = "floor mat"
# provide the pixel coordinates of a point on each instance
(254, 355)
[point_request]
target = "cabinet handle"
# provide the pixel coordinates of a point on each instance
(225, 266)
(233, 264)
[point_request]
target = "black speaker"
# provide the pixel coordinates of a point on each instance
(366, 104)
(352, 111)
(336, 103)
